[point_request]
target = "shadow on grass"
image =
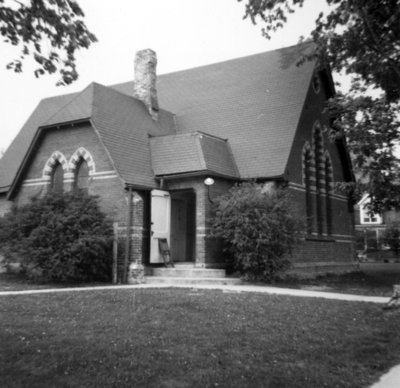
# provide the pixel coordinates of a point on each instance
(370, 283)
(18, 282)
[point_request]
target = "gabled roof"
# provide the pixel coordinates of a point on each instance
(255, 102)
(192, 153)
(122, 124)
(14, 155)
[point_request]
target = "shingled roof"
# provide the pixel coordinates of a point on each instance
(255, 102)
(192, 153)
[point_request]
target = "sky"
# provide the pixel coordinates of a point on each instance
(184, 34)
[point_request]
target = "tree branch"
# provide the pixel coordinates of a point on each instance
(378, 45)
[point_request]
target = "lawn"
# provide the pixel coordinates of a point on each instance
(192, 338)
(372, 283)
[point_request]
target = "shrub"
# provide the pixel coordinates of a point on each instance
(259, 228)
(391, 237)
(60, 237)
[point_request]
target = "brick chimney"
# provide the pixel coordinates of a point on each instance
(145, 80)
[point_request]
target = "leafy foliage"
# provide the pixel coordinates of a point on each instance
(259, 228)
(371, 126)
(360, 38)
(36, 25)
(60, 237)
(391, 237)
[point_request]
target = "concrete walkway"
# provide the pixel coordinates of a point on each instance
(226, 288)
(389, 380)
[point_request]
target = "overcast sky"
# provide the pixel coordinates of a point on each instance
(184, 33)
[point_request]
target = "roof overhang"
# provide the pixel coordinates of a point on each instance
(192, 174)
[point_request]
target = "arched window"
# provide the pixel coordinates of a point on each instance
(308, 178)
(329, 192)
(82, 175)
(57, 178)
(320, 174)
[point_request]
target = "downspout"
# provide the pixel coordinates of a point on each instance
(128, 236)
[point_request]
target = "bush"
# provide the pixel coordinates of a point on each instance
(259, 228)
(391, 237)
(60, 237)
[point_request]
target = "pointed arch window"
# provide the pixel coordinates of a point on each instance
(320, 174)
(329, 192)
(82, 176)
(308, 177)
(57, 178)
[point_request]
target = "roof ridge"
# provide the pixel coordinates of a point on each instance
(78, 94)
(287, 48)
(244, 57)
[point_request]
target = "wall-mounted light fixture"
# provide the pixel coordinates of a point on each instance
(209, 182)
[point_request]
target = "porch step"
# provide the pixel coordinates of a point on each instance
(191, 281)
(188, 272)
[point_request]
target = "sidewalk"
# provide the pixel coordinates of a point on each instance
(226, 288)
(388, 380)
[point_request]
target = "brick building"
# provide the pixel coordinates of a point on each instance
(146, 146)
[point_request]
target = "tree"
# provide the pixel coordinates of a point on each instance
(362, 39)
(50, 31)
(59, 237)
(391, 237)
(258, 227)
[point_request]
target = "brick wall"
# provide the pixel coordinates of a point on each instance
(197, 185)
(207, 251)
(103, 182)
(333, 243)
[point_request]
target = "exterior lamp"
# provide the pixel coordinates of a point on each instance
(209, 182)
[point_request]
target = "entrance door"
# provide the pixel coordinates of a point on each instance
(160, 222)
(182, 225)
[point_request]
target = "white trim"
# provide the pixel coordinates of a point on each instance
(55, 157)
(365, 214)
(302, 189)
(37, 180)
(42, 183)
(83, 153)
(108, 172)
(96, 178)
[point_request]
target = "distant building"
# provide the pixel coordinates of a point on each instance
(370, 227)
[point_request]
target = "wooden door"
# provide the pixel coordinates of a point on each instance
(160, 222)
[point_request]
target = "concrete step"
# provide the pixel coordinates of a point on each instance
(187, 272)
(190, 281)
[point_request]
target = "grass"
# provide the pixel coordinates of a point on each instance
(357, 283)
(192, 338)
(17, 282)
(370, 283)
